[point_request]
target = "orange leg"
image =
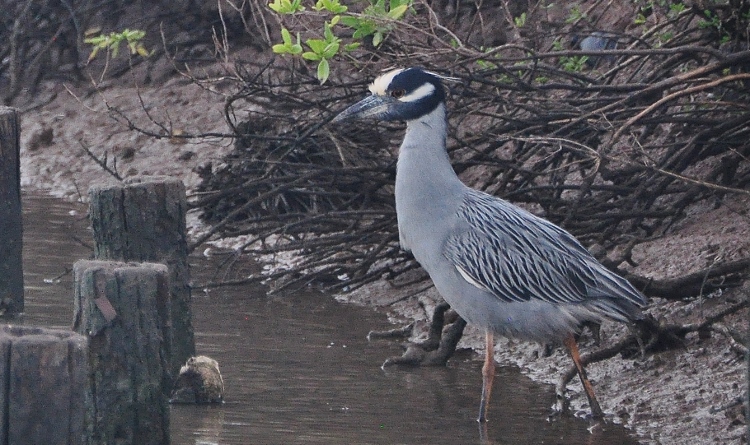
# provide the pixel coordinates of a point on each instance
(488, 375)
(596, 410)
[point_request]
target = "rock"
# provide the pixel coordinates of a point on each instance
(199, 381)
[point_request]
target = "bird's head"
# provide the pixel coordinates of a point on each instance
(402, 94)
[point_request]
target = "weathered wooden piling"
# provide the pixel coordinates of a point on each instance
(43, 386)
(124, 310)
(143, 219)
(11, 227)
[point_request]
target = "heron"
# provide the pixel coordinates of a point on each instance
(596, 41)
(501, 268)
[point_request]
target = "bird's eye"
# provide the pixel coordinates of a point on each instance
(398, 94)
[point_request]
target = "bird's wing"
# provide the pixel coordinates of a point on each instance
(519, 257)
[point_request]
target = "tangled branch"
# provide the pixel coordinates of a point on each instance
(617, 153)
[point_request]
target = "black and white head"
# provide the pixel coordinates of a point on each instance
(402, 94)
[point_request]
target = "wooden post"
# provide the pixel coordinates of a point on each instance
(144, 220)
(43, 390)
(123, 308)
(11, 227)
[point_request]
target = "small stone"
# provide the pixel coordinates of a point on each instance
(199, 381)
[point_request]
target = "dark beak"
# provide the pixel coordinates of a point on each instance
(374, 106)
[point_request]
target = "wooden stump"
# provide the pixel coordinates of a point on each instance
(144, 220)
(124, 310)
(43, 386)
(11, 227)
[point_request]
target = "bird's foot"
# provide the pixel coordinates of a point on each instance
(403, 332)
(439, 346)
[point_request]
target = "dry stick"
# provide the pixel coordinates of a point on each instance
(673, 96)
(102, 164)
(687, 285)
(203, 238)
(658, 86)
(699, 182)
(736, 342)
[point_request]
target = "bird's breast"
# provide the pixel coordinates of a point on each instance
(427, 201)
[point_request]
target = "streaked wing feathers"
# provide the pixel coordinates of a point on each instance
(518, 256)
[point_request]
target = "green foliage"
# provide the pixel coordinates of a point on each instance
(675, 9)
(713, 21)
(332, 6)
(572, 64)
(377, 20)
(111, 43)
(286, 6)
(321, 50)
(486, 64)
(665, 36)
(520, 21)
(575, 14)
(287, 47)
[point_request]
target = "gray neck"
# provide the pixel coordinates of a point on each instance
(424, 143)
(427, 189)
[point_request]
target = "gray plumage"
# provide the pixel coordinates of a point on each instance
(500, 267)
(596, 41)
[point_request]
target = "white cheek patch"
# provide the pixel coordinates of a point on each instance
(380, 84)
(421, 92)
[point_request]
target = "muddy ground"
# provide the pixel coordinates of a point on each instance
(680, 396)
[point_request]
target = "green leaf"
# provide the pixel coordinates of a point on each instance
(396, 3)
(377, 38)
(311, 56)
(96, 41)
(352, 46)
(324, 71)
(316, 45)
(142, 51)
(333, 6)
(280, 49)
(297, 47)
(328, 33)
(132, 36)
(286, 6)
(350, 21)
(520, 21)
(286, 37)
(276, 6)
(94, 52)
(364, 30)
(398, 12)
(330, 50)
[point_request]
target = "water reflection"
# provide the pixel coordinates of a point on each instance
(298, 369)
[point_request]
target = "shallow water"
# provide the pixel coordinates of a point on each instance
(298, 369)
